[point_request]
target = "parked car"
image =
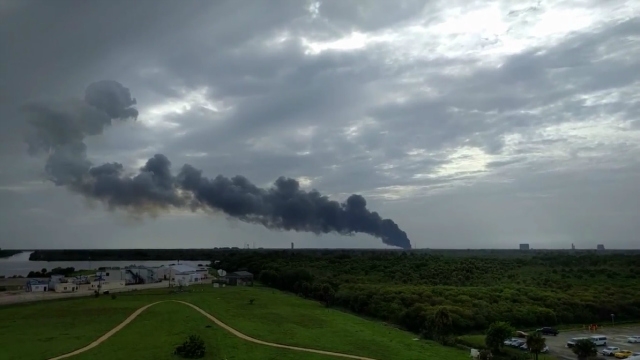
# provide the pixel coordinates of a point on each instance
(518, 343)
(623, 354)
(610, 350)
(633, 339)
(526, 348)
(548, 331)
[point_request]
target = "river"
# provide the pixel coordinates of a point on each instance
(19, 264)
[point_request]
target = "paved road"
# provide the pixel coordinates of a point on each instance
(13, 297)
(212, 318)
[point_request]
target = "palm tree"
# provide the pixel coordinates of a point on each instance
(584, 349)
(536, 343)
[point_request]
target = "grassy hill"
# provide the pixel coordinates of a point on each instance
(46, 329)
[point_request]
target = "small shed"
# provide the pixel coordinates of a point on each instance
(241, 278)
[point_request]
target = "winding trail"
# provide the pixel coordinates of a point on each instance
(212, 318)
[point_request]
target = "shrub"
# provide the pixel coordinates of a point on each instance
(3, 288)
(113, 296)
(192, 348)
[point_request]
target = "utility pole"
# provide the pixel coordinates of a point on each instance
(613, 321)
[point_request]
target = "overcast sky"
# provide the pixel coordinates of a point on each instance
(471, 124)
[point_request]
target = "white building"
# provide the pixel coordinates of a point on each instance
(111, 275)
(140, 275)
(65, 287)
(203, 271)
(184, 275)
(107, 285)
(36, 286)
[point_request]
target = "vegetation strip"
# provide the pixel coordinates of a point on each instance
(210, 317)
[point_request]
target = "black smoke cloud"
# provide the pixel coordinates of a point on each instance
(59, 129)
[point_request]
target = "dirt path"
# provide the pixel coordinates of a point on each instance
(215, 320)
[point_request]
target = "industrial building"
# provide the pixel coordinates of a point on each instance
(600, 247)
(184, 275)
(524, 246)
(66, 287)
(55, 280)
(34, 285)
(106, 285)
(130, 275)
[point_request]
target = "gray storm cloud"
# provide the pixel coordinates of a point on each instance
(59, 128)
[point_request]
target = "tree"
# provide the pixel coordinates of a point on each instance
(498, 332)
(536, 343)
(442, 324)
(585, 348)
(328, 294)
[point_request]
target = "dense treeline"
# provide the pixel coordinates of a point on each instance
(408, 288)
(8, 253)
(66, 272)
(201, 254)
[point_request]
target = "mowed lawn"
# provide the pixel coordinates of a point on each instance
(158, 330)
(47, 329)
(288, 319)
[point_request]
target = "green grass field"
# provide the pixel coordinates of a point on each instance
(156, 332)
(46, 329)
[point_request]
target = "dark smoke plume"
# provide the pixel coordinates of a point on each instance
(60, 128)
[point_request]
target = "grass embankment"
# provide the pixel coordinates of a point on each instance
(156, 332)
(287, 319)
(56, 327)
(44, 329)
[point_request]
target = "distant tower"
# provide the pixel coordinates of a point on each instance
(524, 246)
(573, 247)
(600, 247)
(291, 246)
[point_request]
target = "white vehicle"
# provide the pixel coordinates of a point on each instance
(633, 339)
(573, 341)
(508, 342)
(543, 351)
(610, 350)
(599, 340)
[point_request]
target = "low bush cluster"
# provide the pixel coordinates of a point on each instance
(192, 348)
